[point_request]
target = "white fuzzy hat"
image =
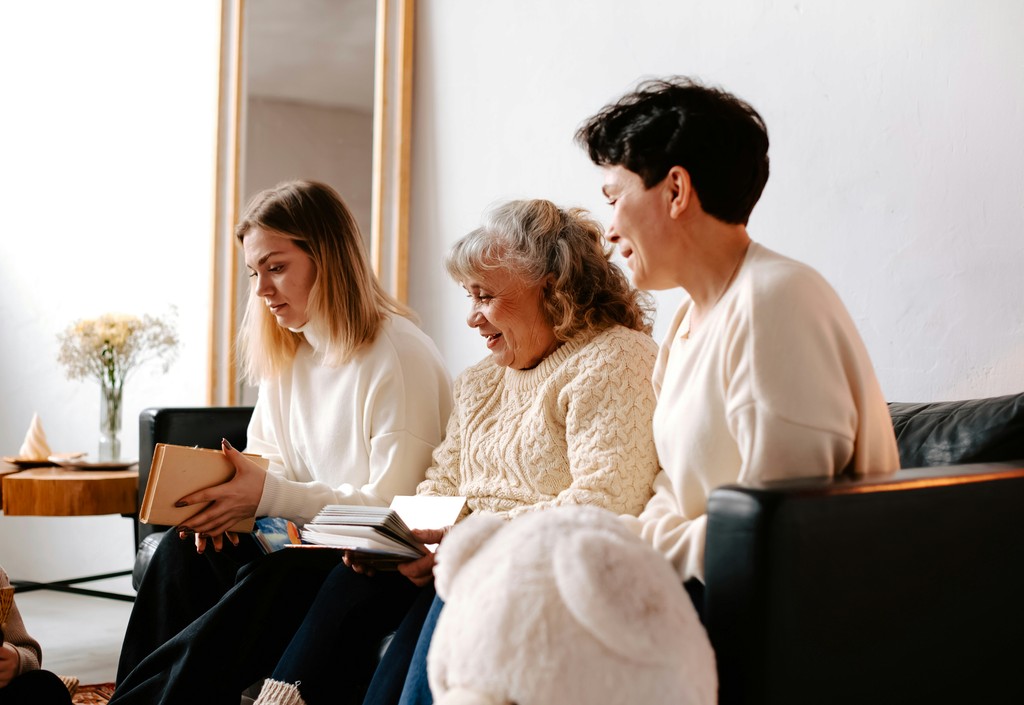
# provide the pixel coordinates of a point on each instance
(563, 606)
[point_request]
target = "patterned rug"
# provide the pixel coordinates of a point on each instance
(97, 694)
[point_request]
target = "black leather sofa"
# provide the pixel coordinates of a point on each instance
(904, 589)
(192, 426)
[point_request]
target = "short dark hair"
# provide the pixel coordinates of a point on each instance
(719, 139)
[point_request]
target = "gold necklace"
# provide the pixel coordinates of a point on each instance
(732, 275)
(696, 317)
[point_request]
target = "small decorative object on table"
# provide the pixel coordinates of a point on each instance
(35, 450)
(108, 348)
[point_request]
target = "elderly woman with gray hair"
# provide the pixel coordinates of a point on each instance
(559, 413)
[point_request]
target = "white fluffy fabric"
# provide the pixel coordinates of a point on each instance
(563, 606)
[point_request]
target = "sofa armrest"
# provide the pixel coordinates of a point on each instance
(906, 588)
(192, 426)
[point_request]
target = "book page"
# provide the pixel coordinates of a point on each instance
(428, 512)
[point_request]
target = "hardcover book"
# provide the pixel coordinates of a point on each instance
(178, 471)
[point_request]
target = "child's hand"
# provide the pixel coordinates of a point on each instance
(9, 661)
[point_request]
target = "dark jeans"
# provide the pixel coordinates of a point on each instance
(388, 679)
(35, 688)
(416, 689)
(205, 627)
(334, 653)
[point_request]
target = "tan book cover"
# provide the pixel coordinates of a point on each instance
(178, 471)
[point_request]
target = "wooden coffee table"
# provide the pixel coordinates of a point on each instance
(55, 491)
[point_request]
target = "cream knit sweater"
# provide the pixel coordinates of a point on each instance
(576, 429)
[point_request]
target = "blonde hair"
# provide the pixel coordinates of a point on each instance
(564, 249)
(346, 299)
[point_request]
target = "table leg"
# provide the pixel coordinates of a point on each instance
(68, 585)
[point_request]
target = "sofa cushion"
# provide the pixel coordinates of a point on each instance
(955, 432)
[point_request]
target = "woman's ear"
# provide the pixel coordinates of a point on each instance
(680, 190)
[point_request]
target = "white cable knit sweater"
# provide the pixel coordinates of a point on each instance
(576, 429)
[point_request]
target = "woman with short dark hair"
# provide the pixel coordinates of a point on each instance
(762, 374)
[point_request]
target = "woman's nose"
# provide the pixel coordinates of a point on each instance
(475, 319)
(263, 287)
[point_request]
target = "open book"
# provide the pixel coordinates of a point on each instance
(178, 471)
(381, 535)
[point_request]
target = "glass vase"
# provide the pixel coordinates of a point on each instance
(110, 422)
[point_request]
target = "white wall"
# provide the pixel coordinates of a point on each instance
(897, 133)
(106, 175)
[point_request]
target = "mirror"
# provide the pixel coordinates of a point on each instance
(317, 89)
(307, 97)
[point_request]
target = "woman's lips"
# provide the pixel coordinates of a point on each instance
(492, 340)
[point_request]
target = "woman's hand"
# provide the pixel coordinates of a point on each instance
(9, 660)
(421, 570)
(351, 559)
(231, 501)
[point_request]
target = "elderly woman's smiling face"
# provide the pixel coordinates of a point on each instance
(510, 315)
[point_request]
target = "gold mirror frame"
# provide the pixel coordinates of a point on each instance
(389, 230)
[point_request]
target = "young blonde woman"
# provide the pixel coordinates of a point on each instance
(353, 398)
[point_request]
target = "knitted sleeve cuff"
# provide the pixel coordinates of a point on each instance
(278, 693)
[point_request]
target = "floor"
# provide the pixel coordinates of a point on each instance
(80, 635)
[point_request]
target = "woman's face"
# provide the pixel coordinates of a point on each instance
(638, 227)
(510, 315)
(282, 275)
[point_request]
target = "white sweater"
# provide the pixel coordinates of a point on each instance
(358, 433)
(775, 384)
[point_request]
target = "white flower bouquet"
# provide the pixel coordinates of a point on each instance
(107, 349)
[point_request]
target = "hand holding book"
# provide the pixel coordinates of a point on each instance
(421, 570)
(206, 491)
(230, 503)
